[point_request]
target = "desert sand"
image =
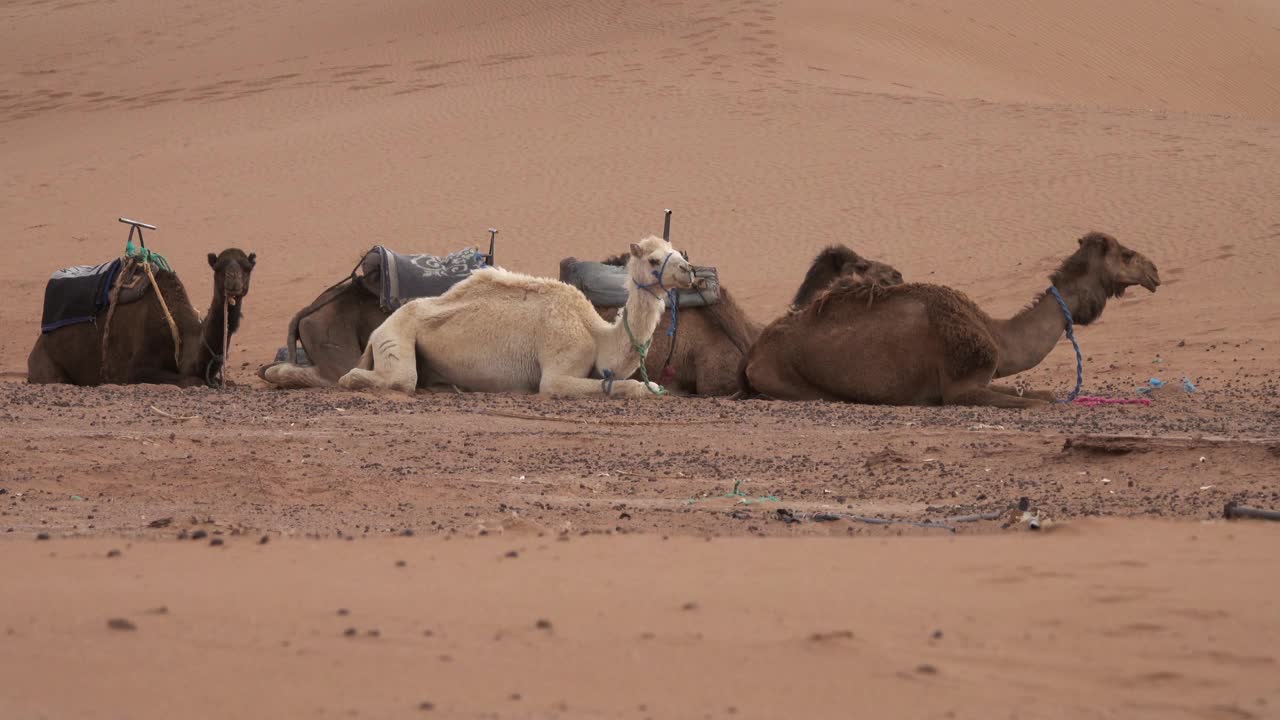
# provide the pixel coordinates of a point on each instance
(630, 559)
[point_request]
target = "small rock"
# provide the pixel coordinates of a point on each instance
(121, 624)
(401, 563)
(543, 624)
(265, 539)
(926, 669)
(215, 542)
(689, 606)
(113, 553)
(42, 536)
(162, 610)
(512, 554)
(407, 532)
(937, 635)
(350, 632)
(199, 535)
(160, 523)
(373, 632)
(426, 706)
(344, 612)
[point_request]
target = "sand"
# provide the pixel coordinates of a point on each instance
(967, 143)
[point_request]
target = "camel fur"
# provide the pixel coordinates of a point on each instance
(139, 346)
(920, 344)
(499, 331)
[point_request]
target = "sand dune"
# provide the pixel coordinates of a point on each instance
(966, 142)
(771, 129)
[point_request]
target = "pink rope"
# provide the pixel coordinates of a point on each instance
(1094, 401)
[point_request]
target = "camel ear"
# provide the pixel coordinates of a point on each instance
(635, 251)
(253, 259)
(213, 260)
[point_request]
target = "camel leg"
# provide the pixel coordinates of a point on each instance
(287, 375)
(1045, 395)
(41, 368)
(971, 393)
(388, 363)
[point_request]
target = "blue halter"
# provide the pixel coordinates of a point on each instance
(657, 275)
(1071, 335)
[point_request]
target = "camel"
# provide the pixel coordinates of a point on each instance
(920, 344)
(710, 343)
(333, 329)
(139, 346)
(837, 261)
(499, 331)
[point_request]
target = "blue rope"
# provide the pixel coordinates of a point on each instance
(657, 274)
(1071, 335)
(675, 312)
(606, 385)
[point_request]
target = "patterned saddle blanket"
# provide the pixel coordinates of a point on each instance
(607, 285)
(407, 277)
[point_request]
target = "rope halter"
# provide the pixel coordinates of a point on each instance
(1071, 335)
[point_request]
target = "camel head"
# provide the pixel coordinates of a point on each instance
(1100, 269)
(875, 272)
(1116, 265)
(231, 270)
(655, 265)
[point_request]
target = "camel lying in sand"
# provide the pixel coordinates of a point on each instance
(838, 261)
(333, 329)
(499, 331)
(139, 346)
(919, 344)
(710, 343)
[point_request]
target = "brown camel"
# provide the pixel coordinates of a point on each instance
(139, 347)
(837, 261)
(333, 330)
(711, 341)
(919, 344)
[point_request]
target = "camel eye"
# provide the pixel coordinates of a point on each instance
(653, 262)
(1127, 255)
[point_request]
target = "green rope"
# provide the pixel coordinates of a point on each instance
(737, 492)
(643, 349)
(146, 256)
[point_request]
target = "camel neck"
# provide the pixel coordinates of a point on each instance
(212, 350)
(1028, 337)
(642, 311)
(633, 326)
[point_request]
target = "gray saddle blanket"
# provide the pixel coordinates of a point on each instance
(608, 285)
(77, 294)
(407, 277)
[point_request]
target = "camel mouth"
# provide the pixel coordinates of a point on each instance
(1150, 283)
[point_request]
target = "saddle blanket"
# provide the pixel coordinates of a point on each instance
(407, 277)
(77, 294)
(607, 285)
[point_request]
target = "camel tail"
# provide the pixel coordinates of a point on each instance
(291, 344)
(366, 357)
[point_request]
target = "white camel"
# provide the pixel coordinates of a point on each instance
(499, 331)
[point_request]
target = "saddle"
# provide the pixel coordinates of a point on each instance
(608, 285)
(407, 277)
(78, 294)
